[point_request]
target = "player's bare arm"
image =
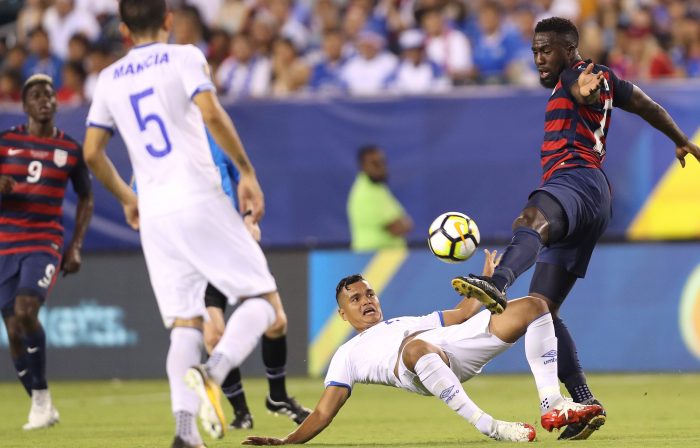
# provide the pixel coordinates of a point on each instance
(467, 307)
(6, 184)
(71, 258)
(250, 195)
(654, 114)
(332, 399)
(587, 89)
(94, 148)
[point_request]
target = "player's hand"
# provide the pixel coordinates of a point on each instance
(688, 148)
(491, 260)
(131, 212)
(589, 82)
(250, 196)
(259, 441)
(7, 184)
(71, 261)
(252, 227)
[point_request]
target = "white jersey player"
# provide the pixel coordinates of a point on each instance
(434, 354)
(160, 97)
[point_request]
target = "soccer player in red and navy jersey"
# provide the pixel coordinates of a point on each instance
(36, 162)
(564, 218)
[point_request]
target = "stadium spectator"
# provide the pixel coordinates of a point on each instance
(326, 16)
(569, 9)
(449, 48)
(366, 73)
(325, 75)
(263, 31)
(354, 22)
(243, 74)
(63, 20)
(218, 48)
(10, 86)
(415, 73)
(78, 48)
(99, 57)
(289, 72)
(207, 10)
(29, 18)
(73, 88)
(100, 8)
(15, 57)
(288, 25)
(188, 27)
(31, 234)
(40, 58)
(377, 219)
(496, 46)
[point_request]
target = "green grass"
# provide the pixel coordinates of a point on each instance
(644, 411)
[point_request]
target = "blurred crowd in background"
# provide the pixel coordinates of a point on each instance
(278, 48)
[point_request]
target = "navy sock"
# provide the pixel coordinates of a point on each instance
(274, 353)
(570, 370)
(518, 257)
(35, 346)
(233, 389)
(22, 368)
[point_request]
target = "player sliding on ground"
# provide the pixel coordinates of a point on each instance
(434, 354)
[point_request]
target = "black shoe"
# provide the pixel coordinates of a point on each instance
(242, 420)
(582, 431)
(483, 290)
(289, 407)
(179, 443)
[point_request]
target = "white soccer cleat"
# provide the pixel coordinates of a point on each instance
(42, 413)
(513, 432)
(211, 415)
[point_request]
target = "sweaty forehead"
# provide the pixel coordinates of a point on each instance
(355, 288)
(540, 40)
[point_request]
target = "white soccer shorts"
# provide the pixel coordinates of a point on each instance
(468, 346)
(205, 243)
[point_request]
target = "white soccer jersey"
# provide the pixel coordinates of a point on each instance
(147, 95)
(370, 357)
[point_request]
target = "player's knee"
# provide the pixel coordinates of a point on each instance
(533, 219)
(415, 350)
(27, 311)
(538, 306)
(278, 328)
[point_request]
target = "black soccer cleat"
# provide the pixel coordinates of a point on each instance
(289, 407)
(242, 420)
(483, 290)
(583, 430)
(179, 443)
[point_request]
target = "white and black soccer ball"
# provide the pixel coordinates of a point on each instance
(453, 237)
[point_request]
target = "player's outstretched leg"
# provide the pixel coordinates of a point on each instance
(232, 387)
(274, 353)
(428, 362)
(185, 350)
(243, 330)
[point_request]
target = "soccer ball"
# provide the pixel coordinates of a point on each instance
(453, 237)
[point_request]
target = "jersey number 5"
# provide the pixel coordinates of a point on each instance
(143, 122)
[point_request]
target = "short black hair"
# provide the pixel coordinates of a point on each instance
(562, 27)
(345, 282)
(143, 16)
(366, 150)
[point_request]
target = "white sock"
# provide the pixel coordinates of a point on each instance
(185, 351)
(541, 352)
(437, 377)
(243, 331)
(186, 428)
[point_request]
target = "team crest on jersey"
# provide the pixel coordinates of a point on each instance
(60, 157)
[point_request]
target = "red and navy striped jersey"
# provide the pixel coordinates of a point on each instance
(574, 134)
(31, 215)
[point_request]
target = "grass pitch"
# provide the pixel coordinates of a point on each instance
(644, 411)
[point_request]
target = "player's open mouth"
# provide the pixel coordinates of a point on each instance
(369, 310)
(544, 74)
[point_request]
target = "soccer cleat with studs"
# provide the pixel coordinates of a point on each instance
(242, 420)
(211, 415)
(582, 431)
(513, 432)
(483, 290)
(289, 407)
(568, 412)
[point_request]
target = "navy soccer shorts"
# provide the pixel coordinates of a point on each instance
(214, 297)
(30, 274)
(584, 195)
